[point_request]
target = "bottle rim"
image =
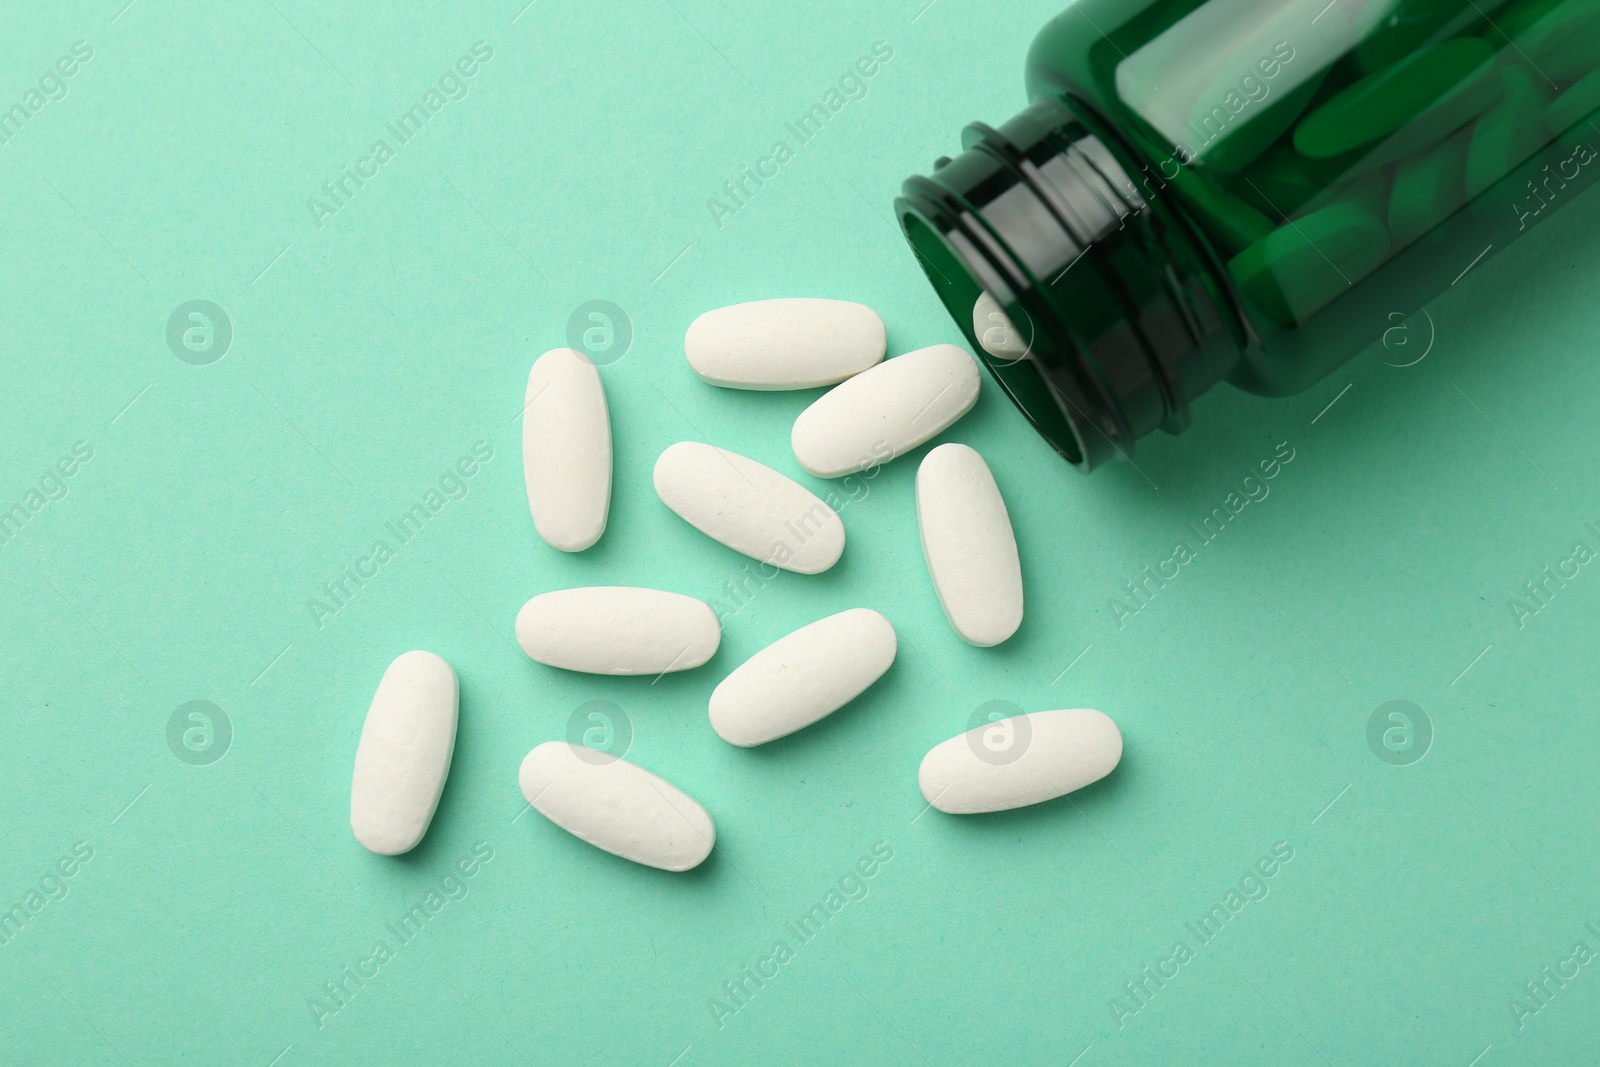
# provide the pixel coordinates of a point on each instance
(1045, 193)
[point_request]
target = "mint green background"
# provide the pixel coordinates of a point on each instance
(378, 348)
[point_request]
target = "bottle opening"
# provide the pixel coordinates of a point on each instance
(1082, 301)
(1020, 376)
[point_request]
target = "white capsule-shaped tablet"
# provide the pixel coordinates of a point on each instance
(615, 629)
(617, 806)
(803, 677)
(1026, 759)
(796, 343)
(968, 543)
(566, 450)
(404, 755)
(995, 331)
(888, 410)
(749, 507)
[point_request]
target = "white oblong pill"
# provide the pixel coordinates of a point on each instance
(803, 677)
(1026, 759)
(617, 806)
(566, 450)
(749, 507)
(888, 410)
(795, 343)
(994, 330)
(968, 543)
(615, 629)
(404, 755)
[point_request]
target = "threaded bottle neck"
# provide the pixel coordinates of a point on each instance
(1116, 314)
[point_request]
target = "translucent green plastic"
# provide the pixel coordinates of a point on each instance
(1341, 161)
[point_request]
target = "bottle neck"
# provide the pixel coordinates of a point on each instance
(1114, 317)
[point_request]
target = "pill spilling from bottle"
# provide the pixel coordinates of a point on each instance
(885, 411)
(874, 410)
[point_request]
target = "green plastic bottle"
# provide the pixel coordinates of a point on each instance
(1248, 190)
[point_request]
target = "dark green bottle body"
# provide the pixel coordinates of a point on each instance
(1288, 181)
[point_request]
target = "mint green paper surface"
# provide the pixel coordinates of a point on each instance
(372, 351)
